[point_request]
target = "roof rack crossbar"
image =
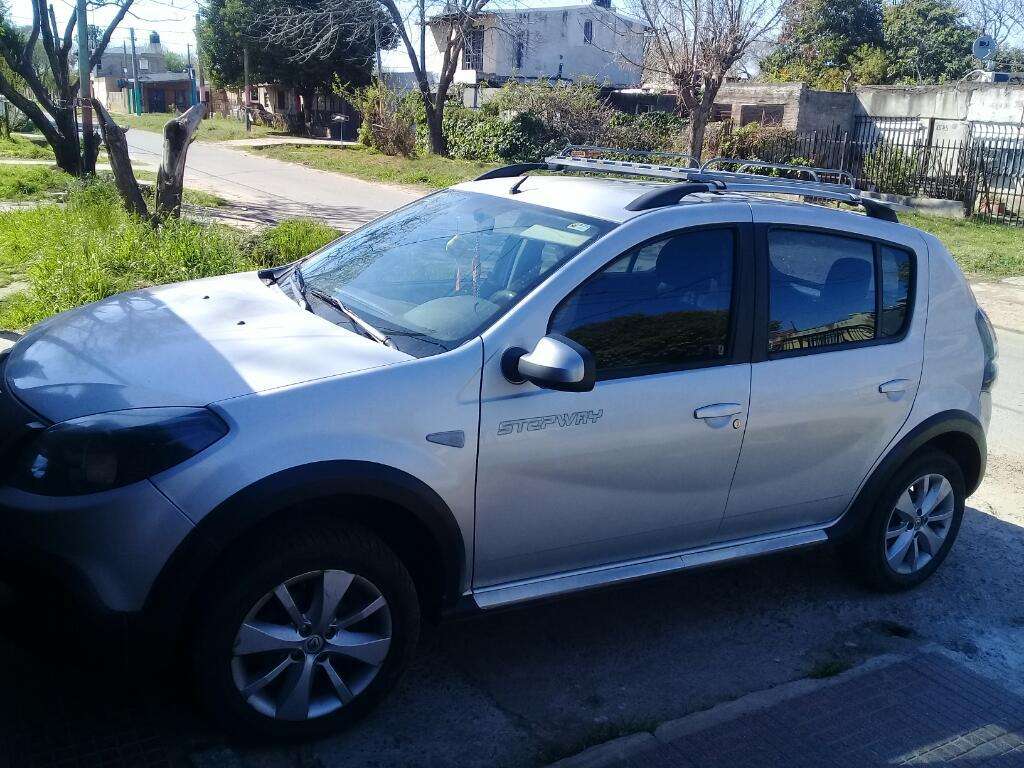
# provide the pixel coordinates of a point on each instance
(585, 150)
(845, 177)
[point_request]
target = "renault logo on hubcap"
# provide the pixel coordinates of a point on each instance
(314, 644)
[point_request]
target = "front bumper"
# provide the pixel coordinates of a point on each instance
(103, 551)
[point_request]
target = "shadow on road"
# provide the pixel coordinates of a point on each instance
(534, 684)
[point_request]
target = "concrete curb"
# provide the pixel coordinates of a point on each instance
(625, 747)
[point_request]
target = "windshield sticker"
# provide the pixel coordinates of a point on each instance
(555, 236)
(579, 226)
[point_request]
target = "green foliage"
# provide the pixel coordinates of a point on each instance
(891, 169)
(928, 41)
(175, 61)
(91, 248)
(226, 26)
(389, 119)
(25, 149)
(288, 241)
(755, 141)
(32, 182)
(820, 37)
(513, 137)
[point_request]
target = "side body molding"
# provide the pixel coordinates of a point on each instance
(311, 483)
(953, 429)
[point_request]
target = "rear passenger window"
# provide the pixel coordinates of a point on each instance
(664, 305)
(895, 265)
(824, 290)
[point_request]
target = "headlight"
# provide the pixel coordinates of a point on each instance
(108, 450)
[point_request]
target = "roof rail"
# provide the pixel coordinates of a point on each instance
(695, 178)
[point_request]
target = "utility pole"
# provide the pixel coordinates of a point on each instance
(199, 63)
(84, 91)
(376, 46)
(191, 77)
(245, 92)
(423, 35)
(136, 87)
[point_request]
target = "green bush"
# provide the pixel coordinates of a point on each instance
(489, 138)
(91, 248)
(389, 119)
(648, 131)
(287, 241)
(771, 143)
(891, 170)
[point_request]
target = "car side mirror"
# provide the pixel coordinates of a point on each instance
(555, 363)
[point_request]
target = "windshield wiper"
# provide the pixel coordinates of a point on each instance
(368, 330)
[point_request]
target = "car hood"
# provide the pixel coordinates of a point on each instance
(190, 343)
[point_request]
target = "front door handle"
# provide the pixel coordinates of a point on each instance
(893, 386)
(717, 411)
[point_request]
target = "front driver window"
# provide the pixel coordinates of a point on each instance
(663, 305)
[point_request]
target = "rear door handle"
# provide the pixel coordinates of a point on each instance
(894, 385)
(717, 411)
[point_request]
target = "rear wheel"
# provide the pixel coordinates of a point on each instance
(302, 634)
(913, 526)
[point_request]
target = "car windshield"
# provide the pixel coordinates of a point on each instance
(440, 270)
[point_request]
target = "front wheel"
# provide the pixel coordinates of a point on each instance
(913, 526)
(302, 634)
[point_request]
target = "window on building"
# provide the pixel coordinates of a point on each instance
(281, 102)
(143, 64)
(520, 49)
(823, 290)
(473, 50)
(588, 32)
(664, 305)
(765, 114)
(720, 112)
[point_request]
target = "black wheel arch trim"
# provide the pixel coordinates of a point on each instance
(232, 519)
(952, 422)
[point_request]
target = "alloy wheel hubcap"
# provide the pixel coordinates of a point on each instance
(311, 645)
(919, 523)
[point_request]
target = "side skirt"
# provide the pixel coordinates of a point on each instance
(501, 595)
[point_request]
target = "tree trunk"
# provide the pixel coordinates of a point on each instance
(120, 163)
(698, 126)
(435, 131)
(171, 176)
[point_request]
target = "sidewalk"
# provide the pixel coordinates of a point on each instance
(924, 710)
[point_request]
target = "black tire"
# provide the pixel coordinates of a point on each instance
(258, 567)
(865, 552)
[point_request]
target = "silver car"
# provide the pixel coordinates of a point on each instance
(516, 388)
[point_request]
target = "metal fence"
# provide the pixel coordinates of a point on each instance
(982, 167)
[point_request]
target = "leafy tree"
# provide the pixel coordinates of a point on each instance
(175, 62)
(227, 26)
(928, 41)
(823, 41)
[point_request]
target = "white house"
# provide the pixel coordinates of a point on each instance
(565, 42)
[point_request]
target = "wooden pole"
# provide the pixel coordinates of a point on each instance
(85, 92)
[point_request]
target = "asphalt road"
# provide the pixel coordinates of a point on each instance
(269, 190)
(528, 686)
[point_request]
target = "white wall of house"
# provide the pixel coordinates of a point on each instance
(543, 43)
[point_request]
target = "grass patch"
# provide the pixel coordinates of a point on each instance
(980, 248)
(25, 149)
(829, 668)
(212, 129)
(191, 196)
(428, 171)
(91, 248)
(32, 182)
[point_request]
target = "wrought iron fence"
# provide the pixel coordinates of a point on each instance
(982, 167)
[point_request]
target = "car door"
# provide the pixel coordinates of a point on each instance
(837, 357)
(640, 465)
